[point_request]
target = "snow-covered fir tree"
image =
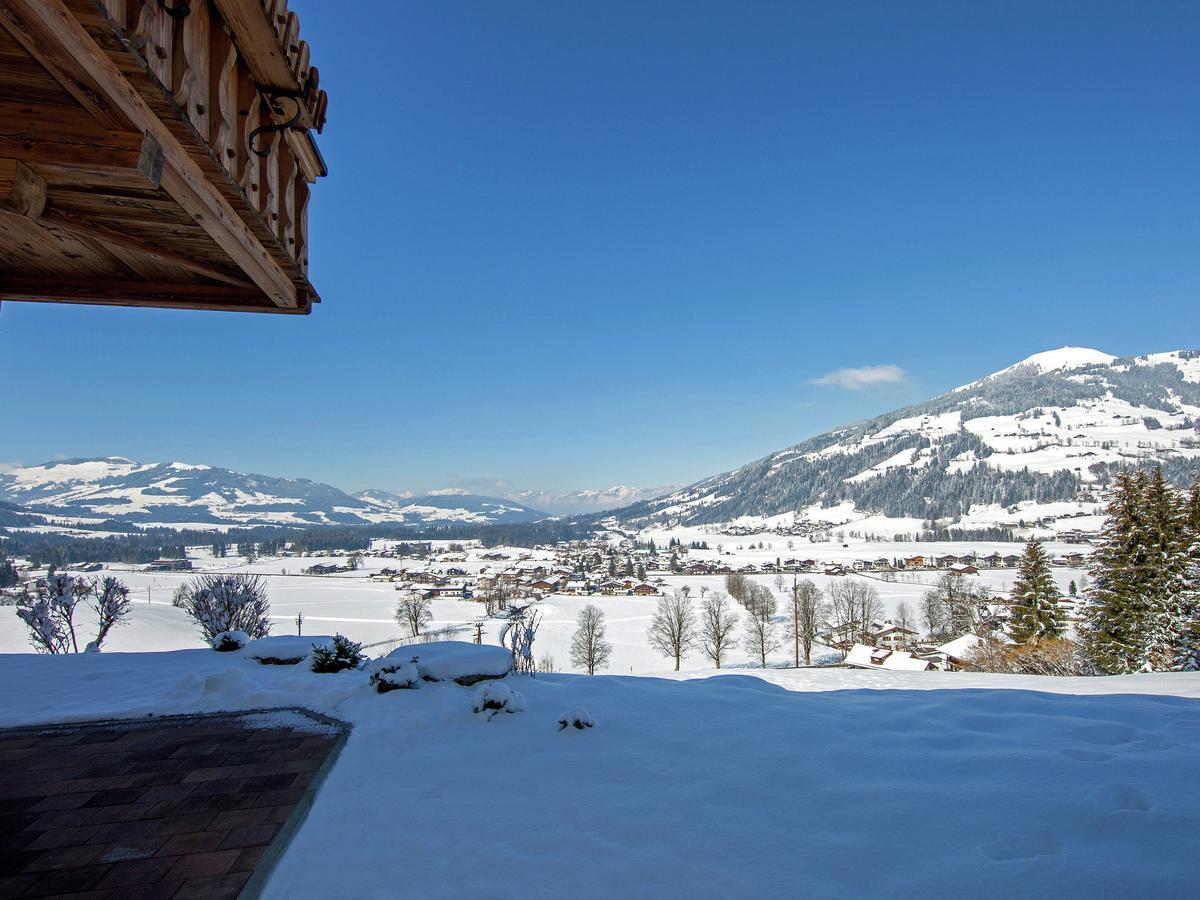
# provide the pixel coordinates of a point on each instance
(1168, 547)
(1036, 614)
(1187, 655)
(1142, 615)
(1116, 634)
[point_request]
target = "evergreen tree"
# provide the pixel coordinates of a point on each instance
(1036, 613)
(1115, 632)
(9, 577)
(1187, 654)
(1168, 548)
(1143, 611)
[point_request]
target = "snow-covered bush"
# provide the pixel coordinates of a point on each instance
(285, 650)
(576, 718)
(49, 612)
(496, 697)
(220, 603)
(343, 653)
(394, 672)
(230, 640)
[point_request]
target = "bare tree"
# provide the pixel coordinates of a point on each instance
(414, 612)
(807, 616)
(853, 605)
(738, 587)
(718, 621)
(497, 596)
(904, 615)
(673, 629)
(762, 634)
(589, 649)
(953, 607)
(933, 614)
(518, 635)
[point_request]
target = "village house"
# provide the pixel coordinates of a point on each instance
(862, 656)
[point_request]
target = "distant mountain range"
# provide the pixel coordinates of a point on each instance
(576, 502)
(180, 494)
(1037, 440)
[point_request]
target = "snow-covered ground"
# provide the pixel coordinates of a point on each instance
(364, 610)
(815, 783)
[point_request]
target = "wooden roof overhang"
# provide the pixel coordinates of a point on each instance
(157, 153)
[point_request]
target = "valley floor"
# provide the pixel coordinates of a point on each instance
(814, 783)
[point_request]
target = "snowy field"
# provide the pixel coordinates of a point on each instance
(783, 782)
(821, 784)
(364, 610)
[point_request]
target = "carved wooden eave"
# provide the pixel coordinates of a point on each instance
(157, 153)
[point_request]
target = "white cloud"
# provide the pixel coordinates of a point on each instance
(862, 377)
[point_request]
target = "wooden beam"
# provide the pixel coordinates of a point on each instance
(219, 297)
(254, 35)
(22, 190)
(62, 68)
(84, 228)
(182, 178)
(43, 135)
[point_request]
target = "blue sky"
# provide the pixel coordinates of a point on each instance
(569, 245)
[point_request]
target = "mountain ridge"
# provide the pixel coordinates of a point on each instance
(177, 494)
(1047, 430)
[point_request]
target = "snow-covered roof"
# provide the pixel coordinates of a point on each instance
(960, 646)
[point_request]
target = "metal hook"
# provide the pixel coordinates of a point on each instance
(273, 98)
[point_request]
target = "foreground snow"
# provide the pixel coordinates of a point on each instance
(823, 783)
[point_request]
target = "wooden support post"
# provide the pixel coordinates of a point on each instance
(22, 190)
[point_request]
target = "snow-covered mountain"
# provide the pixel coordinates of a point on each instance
(451, 505)
(575, 502)
(1035, 441)
(180, 494)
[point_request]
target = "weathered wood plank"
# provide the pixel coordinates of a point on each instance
(218, 297)
(22, 190)
(58, 136)
(183, 178)
(87, 229)
(59, 64)
(261, 49)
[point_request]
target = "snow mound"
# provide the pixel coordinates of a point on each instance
(396, 671)
(285, 650)
(497, 697)
(230, 640)
(458, 661)
(578, 718)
